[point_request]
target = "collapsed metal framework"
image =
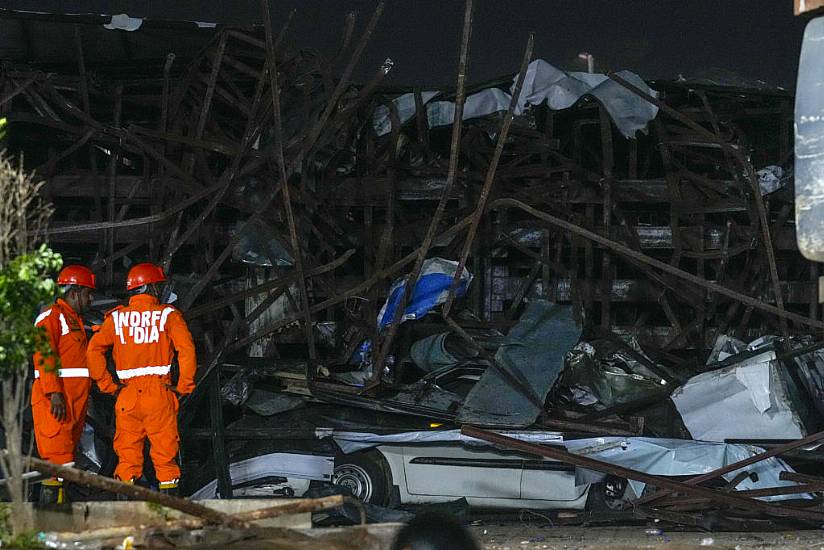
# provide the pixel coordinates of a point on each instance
(254, 174)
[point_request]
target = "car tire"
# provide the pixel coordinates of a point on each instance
(606, 496)
(366, 475)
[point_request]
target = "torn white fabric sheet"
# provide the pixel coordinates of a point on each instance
(123, 22)
(404, 104)
(289, 465)
(543, 82)
(747, 400)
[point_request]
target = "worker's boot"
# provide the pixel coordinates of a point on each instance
(52, 491)
(169, 488)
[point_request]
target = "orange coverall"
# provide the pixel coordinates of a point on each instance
(144, 336)
(56, 441)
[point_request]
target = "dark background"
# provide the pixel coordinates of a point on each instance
(756, 39)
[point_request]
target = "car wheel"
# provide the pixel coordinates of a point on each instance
(365, 475)
(607, 496)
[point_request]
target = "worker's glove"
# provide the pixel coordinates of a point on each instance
(58, 406)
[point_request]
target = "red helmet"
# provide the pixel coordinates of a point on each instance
(144, 274)
(76, 275)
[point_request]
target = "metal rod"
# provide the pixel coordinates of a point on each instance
(287, 200)
(630, 253)
(454, 154)
(503, 134)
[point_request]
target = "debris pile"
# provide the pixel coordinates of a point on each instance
(553, 253)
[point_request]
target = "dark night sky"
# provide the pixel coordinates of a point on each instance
(758, 39)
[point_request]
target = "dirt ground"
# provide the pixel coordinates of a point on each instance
(517, 536)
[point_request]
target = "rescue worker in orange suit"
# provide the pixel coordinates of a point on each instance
(143, 337)
(60, 392)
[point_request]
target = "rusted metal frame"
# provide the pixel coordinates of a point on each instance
(193, 294)
(212, 83)
(704, 186)
(278, 158)
(737, 480)
(588, 427)
(489, 180)
(786, 490)
(682, 334)
(760, 457)
(112, 181)
(357, 290)
(210, 145)
(241, 67)
(306, 146)
(164, 97)
(626, 251)
(527, 283)
(752, 177)
(117, 255)
(234, 92)
(243, 37)
(673, 183)
(346, 37)
(73, 110)
(566, 457)
(634, 242)
(134, 221)
(19, 88)
(801, 478)
(47, 167)
(422, 124)
(608, 162)
(39, 104)
(454, 155)
(229, 98)
(266, 287)
(81, 66)
(364, 95)
(206, 105)
(178, 97)
(227, 177)
(670, 314)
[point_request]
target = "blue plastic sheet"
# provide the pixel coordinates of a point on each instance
(430, 291)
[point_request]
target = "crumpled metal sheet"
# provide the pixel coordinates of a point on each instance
(749, 399)
(351, 441)
(301, 466)
(533, 351)
(677, 457)
(543, 82)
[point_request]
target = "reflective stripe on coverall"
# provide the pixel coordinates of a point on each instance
(143, 337)
(56, 441)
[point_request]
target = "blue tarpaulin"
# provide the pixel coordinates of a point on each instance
(430, 291)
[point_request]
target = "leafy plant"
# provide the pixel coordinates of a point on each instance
(25, 285)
